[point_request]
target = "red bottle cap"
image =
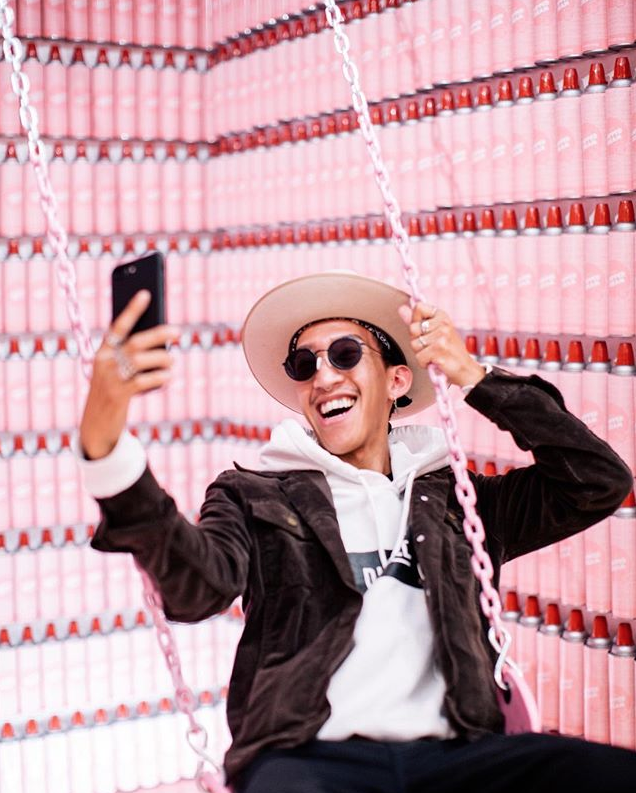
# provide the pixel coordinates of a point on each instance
(526, 88)
(571, 80)
(77, 719)
(622, 69)
(552, 351)
(599, 627)
(575, 621)
(597, 74)
(379, 229)
(430, 108)
(533, 219)
(27, 634)
(122, 712)
(601, 215)
(471, 344)
(626, 211)
(471, 465)
(50, 631)
(552, 616)
(531, 608)
(629, 502)
(55, 55)
(599, 352)
(361, 230)
(7, 731)
(555, 219)
(377, 115)
(491, 346)
(575, 352)
(509, 220)
(465, 98)
(490, 469)
(412, 111)
(512, 601)
(624, 354)
(347, 230)
(4, 636)
(78, 55)
(143, 709)
(511, 347)
(504, 91)
(101, 717)
(54, 724)
(577, 215)
(332, 232)
(415, 227)
(531, 351)
(469, 222)
(624, 635)
(448, 101)
(487, 220)
(546, 83)
(394, 114)
(449, 223)
(31, 727)
(118, 622)
(484, 96)
(432, 225)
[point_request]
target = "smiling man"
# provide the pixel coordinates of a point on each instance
(364, 665)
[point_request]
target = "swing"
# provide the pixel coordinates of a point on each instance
(515, 699)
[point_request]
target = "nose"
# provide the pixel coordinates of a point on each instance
(326, 373)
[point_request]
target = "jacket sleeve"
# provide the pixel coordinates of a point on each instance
(199, 570)
(575, 481)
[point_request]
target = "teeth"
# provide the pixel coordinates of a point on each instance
(336, 404)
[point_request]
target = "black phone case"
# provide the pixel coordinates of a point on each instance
(129, 278)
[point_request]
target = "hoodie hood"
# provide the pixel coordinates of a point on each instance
(414, 450)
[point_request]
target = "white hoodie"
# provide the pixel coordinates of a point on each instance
(388, 687)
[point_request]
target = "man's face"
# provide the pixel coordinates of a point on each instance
(347, 409)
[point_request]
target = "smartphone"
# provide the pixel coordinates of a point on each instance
(130, 277)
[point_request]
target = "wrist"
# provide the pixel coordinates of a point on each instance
(476, 375)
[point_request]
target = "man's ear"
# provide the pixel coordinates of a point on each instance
(401, 382)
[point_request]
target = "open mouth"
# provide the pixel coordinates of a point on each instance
(336, 407)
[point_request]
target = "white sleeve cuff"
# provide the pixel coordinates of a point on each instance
(466, 389)
(114, 473)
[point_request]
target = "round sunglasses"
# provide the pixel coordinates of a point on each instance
(343, 353)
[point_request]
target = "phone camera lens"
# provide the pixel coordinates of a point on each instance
(132, 269)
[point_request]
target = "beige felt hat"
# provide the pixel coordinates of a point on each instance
(275, 318)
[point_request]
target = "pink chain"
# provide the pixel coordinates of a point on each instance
(473, 528)
(185, 700)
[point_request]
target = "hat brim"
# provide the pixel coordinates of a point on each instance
(275, 318)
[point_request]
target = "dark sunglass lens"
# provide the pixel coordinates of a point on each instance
(345, 353)
(301, 365)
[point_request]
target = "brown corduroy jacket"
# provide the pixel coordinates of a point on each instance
(273, 539)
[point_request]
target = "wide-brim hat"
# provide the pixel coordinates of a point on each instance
(276, 317)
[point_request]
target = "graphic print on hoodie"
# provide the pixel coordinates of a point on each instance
(388, 687)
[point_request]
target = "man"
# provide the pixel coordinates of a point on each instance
(363, 665)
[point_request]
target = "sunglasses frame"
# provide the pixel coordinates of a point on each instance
(287, 363)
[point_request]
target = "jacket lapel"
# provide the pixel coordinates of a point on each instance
(309, 494)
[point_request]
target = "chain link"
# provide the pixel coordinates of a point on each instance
(184, 698)
(481, 563)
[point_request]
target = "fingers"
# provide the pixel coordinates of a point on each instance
(150, 359)
(125, 322)
(158, 336)
(148, 381)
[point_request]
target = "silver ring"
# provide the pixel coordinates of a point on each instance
(113, 339)
(434, 310)
(425, 325)
(124, 366)
(422, 341)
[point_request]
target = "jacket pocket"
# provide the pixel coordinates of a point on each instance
(277, 516)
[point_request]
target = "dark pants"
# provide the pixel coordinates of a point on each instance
(494, 764)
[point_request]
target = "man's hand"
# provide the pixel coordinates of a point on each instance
(435, 339)
(120, 370)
